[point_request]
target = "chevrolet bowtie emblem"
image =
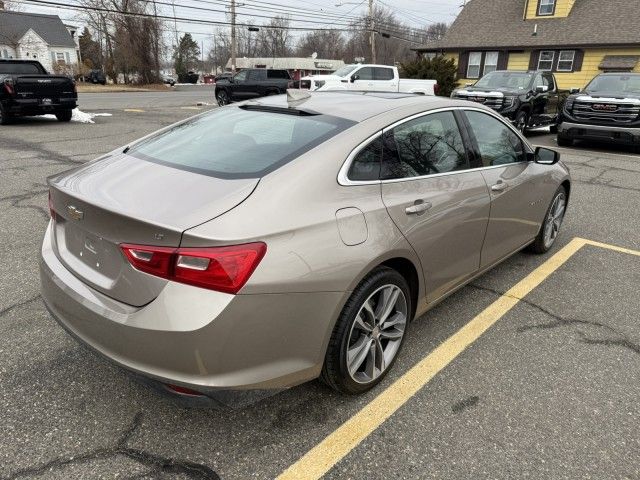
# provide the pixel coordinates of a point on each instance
(75, 213)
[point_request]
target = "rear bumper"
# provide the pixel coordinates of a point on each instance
(247, 342)
(29, 107)
(578, 131)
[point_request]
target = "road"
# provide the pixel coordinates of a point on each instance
(549, 391)
(145, 100)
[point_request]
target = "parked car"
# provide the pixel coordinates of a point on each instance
(529, 99)
(223, 76)
(252, 83)
(168, 80)
(189, 77)
(372, 78)
(97, 76)
(608, 109)
(27, 89)
(264, 244)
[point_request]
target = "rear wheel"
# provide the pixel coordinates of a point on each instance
(64, 115)
(551, 225)
(223, 98)
(5, 118)
(369, 333)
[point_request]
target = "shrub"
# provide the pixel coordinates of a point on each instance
(439, 68)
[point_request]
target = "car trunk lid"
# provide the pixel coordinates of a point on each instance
(123, 199)
(50, 86)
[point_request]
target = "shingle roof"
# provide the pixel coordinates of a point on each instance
(499, 23)
(13, 25)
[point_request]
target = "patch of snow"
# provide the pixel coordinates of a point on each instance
(204, 104)
(80, 116)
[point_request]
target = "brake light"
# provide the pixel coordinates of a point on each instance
(225, 269)
(436, 88)
(8, 86)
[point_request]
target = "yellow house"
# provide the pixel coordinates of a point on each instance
(575, 39)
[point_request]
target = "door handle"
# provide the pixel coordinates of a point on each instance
(418, 208)
(499, 187)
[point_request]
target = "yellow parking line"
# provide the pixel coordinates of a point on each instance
(321, 458)
(133, 110)
(612, 247)
(190, 108)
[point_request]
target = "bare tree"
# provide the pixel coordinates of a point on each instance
(326, 43)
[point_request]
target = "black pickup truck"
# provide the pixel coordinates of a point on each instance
(27, 89)
(528, 99)
(252, 83)
(608, 109)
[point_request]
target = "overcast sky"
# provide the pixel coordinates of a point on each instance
(306, 14)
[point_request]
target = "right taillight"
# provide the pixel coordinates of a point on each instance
(225, 269)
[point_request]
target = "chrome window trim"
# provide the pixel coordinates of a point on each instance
(344, 180)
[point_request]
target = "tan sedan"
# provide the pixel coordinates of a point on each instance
(265, 244)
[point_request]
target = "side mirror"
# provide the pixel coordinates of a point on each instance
(574, 90)
(355, 77)
(542, 89)
(546, 156)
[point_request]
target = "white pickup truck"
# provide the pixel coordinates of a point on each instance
(369, 78)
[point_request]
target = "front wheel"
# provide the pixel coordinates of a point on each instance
(564, 141)
(223, 98)
(369, 333)
(64, 115)
(551, 225)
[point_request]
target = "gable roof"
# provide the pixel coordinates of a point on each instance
(13, 26)
(499, 24)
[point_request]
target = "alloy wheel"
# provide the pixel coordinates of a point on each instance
(223, 99)
(554, 219)
(376, 333)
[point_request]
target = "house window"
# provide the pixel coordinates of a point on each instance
(60, 57)
(565, 60)
(490, 62)
(546, 7)
(5, 53)
(545, 62)
(67, 58)
(473, 68)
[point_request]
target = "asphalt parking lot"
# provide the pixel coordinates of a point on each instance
(547, 387)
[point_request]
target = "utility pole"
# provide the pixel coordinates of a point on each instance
(233, 36)
(372, 38)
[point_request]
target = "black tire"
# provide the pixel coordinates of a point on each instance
(540, 244)
(522, 121)
(553, 129)
(64, 115)
(5, 118)
(222, 97)
(565, 141)
(335, 372)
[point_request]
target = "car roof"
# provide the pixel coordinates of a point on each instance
(353, 105)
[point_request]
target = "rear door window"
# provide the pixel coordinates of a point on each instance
(427, 145)
(365, 166)
(238, 142)
(283, 74)
(256, 75)
(381, 73)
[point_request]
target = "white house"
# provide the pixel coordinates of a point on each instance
(41, 37)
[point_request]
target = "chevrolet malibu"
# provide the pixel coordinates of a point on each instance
(268, 243)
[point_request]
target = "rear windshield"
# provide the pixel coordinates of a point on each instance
(238, 143)
(20, 68)
(515, 81)
(615, 84)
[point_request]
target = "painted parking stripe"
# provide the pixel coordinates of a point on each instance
(133, 110)
(321, 458)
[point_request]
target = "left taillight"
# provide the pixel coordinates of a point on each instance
(225, 269)
(8, 86)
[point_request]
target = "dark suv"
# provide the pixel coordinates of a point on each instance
(252, 83)
(528, 99)
(608, 109)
